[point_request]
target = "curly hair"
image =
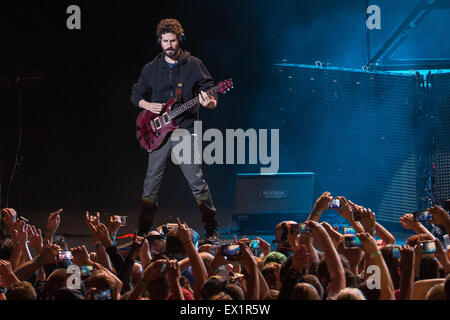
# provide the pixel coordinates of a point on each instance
(169, 26)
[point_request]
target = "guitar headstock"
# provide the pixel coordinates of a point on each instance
(225, 86)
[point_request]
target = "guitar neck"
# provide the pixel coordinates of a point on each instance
(190, 104)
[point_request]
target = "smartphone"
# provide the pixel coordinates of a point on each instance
(123, 220)
(357, 215)
(65, 255)
(447, 242)
(422, 216)
(352, 242)
(428, 247)
(335, 203)
(231, 251)
(86, 270)
(349, 230)
(163, 268)
(253, 244)
(396, 252)
(102, 295)
(300, 228)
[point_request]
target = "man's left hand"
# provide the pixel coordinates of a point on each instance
(207, 101)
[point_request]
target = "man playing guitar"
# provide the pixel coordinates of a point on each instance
(174, 74)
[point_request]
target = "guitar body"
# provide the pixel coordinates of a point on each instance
(152, 130)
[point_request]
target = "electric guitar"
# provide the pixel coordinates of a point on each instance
(152, 129)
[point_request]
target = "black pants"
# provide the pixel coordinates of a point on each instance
(157, 163)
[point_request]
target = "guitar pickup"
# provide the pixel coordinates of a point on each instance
(166, 118)
(158, 123)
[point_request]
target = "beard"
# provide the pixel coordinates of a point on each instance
(171, 53)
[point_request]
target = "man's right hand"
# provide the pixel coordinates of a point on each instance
(155, 108)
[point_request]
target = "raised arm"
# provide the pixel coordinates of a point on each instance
(53, 221)
(407, 222)
(334, 264)
(198, 267)
(440, 217)
(320, 205)
(406, 273)
(375, 258)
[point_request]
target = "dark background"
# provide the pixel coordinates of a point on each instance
(79, 146)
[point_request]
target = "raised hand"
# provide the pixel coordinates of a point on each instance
(183, 232)
(246, 257)
(154, 270)
(408, 222)
(368, 242)
(114, 225)
(9, 217)
(35, 239)
(7, 276)
(173, 270)
(368, 220)
(442, 256)
(50, 253)
(81, 256)
(439, 216)
(53, 221)
(22, 237)
(322, 202)
(407, 258)
(100, 233)
(346, 212)
(264, 245)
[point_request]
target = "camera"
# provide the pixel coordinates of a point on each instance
(86, 270)
(352, 242)
(65, 255)
(102, 295)
(231, 251)
(335, 203)
(428, 247)
(299, 228)
(349, 230)
(422, 216)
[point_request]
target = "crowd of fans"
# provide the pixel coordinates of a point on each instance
(309, 261)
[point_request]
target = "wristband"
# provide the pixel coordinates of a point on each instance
(375, 254)
(98, 245)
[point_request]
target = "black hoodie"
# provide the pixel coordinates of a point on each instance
(158, 83)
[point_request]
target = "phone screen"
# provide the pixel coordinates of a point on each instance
(254, 244)
(447, 242)
(352, 242)
(86, 270)
(335, 203)
(349, 230)
(65, 255)
(422, 216)
(102, 295)
(231, 251)
(396, 252)
(428, 247)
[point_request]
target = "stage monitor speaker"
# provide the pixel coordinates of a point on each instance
(262, 201)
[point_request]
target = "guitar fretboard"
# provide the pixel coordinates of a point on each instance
(190, 104)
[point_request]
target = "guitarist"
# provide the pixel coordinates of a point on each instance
(174, 73)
